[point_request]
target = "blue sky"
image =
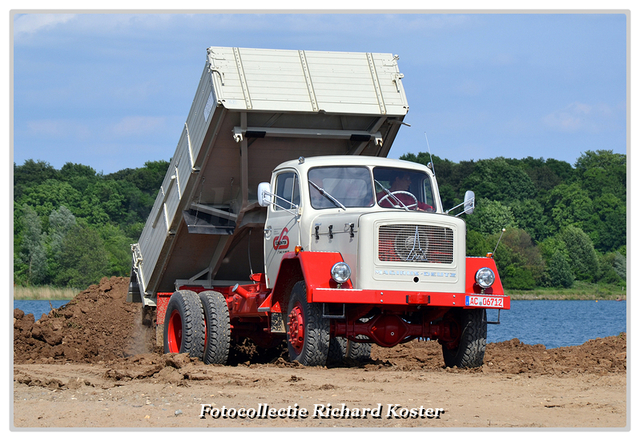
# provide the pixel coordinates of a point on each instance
(112, 90)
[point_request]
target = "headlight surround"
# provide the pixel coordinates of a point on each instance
(485, 277)
(340, 272)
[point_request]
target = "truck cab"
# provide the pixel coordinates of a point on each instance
(378, 256)
(337, 204)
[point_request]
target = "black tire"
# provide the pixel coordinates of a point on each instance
(336, 350)
(341, 349)
(473, 340)
(217, 328)
(312, 348)
(184, 324)
(360, 352)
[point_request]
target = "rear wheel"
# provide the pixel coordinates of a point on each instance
(217, 328)
(472, 325)
(341, 349)
(184, 324)
(307, 331)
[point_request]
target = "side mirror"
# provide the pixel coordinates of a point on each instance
(469, 202)
(264, 194)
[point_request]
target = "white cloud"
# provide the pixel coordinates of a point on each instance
(579, 116)
(57, 129)
(27, 24)
(137, 125)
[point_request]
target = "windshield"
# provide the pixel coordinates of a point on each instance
(349, 186)
(403, 189)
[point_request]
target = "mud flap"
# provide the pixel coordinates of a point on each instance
(277, 324)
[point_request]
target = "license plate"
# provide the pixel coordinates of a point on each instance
(484, 301)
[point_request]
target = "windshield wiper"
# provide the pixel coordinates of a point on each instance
(326, 194)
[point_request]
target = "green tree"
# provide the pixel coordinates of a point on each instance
(61, 221)
(559, 270)
(582, 257)
(490, 217)
(118, 250)
(603, 172)
(608, 225)
(619, 264)
(529, 215)
(50, 195)
(568, 205)
(499, 180)
(33, 253)
(613, 268)
(545, 174)
(148, 178)
(477, 244)
(516, 277)
(83, 260)
(550, 245)
(518, 259)
(78, 176)
(527, 256)
(29, 174)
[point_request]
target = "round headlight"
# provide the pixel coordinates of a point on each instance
(485, 277)
(340, 272)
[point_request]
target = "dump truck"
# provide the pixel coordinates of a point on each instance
(281, 219)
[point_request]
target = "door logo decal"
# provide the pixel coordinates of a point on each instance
(282, 241)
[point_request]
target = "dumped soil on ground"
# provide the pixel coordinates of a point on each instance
(97, 325)
(98, 344)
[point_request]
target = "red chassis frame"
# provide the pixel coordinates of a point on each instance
(251, 306)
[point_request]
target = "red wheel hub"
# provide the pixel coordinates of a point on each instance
(174, 332)
(296, 328)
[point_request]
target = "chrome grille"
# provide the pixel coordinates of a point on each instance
(415, 243)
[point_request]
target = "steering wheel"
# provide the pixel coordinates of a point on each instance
(397, 192)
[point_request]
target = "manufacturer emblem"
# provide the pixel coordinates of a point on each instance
(411, 247)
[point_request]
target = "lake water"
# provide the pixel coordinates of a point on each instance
(552, 323)
(38, 307)
(556, 323)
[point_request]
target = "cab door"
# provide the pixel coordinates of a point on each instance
(281, 232)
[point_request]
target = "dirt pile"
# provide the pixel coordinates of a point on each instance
(98, 325)
(599, 356)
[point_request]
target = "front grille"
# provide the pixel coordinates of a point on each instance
(415, 243)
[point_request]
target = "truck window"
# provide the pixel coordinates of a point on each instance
(352, 186)
(408, 188)
(287, 190)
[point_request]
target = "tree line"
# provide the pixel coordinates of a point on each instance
(74, 226)
(562, 223)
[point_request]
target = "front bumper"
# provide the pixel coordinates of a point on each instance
(387, 297)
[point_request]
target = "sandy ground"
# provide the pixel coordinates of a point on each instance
(79, 369)
(81, 396)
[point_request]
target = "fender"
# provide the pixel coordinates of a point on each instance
(314, 267)
(473, 265)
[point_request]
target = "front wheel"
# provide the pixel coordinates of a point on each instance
(307, 330)
(184, 324)
(469, 353)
